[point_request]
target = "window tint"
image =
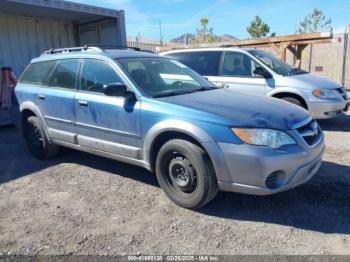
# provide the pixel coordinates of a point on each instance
(239, 65)
(37, 72)
(204, 63)
(65, 74)
(95, 74)
(159, 77)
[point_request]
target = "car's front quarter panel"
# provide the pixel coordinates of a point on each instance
(158, 117)
(303, 86)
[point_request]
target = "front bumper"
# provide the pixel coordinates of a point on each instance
(248, 167)
(327, 109)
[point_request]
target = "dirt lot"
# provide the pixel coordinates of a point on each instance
(83, 204)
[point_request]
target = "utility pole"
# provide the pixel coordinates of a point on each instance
(345, 54)
(138, 39)
(160, 32)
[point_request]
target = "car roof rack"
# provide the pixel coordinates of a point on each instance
(97, 48)
(71, 49)
(123, 47)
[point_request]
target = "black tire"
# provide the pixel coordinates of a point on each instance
(36, 140)
(185, 173)
(293, 101)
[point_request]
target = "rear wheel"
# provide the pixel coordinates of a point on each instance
(36, 140)
(185, 174)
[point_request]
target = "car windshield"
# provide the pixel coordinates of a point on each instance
(160, 77)
(277, 65)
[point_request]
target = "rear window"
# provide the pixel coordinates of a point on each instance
(36, 73)
(65, 74)
(204, 63)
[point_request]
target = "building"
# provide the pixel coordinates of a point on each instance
(29, 27)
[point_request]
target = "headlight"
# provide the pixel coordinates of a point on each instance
(263, 137)
(325, 93)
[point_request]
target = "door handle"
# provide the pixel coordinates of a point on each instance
(83, 103)
(41, 97)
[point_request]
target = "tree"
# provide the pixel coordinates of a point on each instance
(204, 34)
(315, 21)
(258, 28)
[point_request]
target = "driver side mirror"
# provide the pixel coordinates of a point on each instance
(262, 72)
(115, 89)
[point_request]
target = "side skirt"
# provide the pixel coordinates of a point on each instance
(124, 159)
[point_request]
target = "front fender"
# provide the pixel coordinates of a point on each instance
(194, 131)
(173, 125)
(290, 90)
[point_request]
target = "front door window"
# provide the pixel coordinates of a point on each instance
(237, 64)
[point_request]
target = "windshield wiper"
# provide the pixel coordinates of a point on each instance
(205, 88)
(175, 93)
(296, 71)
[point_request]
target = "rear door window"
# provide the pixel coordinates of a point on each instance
(37, 73)
(65, 74)
(205, 63)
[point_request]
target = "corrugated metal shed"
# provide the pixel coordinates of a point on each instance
(28, 27)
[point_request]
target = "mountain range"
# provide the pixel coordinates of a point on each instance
(188, 38)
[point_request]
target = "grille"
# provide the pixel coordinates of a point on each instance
(342, 92)
(310, 132)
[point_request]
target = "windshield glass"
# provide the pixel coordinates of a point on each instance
(277, 65)
(164, 77)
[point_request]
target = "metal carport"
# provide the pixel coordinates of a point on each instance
(28, 27)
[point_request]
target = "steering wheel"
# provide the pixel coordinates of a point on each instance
(177, 84)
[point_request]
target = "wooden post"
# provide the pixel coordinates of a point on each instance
(281, 49)
(297, 52)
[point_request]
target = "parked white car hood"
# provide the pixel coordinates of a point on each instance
(309, 81)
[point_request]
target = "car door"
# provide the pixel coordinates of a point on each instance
(205, 63)
(106, 123)
(56, 100)
(237, 73)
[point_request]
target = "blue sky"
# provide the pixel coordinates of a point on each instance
(225, 16)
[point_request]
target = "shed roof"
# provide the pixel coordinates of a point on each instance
(57, 9)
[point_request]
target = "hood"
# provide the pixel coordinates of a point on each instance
(241, 109)
(310, 80)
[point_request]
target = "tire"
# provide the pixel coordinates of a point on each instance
(36, 140)
(293, 101)
(185, 173)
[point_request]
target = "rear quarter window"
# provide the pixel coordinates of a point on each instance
(36, 73)
(205, 63)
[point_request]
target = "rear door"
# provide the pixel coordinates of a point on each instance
(237, 73)
(56, 100)
(205, 63)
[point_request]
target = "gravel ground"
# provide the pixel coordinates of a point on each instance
(83, 204)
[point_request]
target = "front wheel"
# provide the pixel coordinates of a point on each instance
(185, 173)
(294, 101)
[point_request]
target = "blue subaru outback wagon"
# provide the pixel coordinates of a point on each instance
(157, 113)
